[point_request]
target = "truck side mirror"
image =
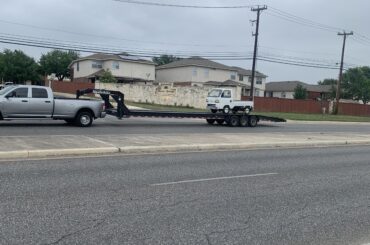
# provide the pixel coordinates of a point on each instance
(11, 95)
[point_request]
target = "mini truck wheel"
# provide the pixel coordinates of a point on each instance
(252, 121)
(226, 109)
(84, 119)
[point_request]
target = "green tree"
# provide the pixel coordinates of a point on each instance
(57, 61)
(107, 77)
(356, 83)
(17, 67)
(300, 93)
(333, 83)
(165, 59)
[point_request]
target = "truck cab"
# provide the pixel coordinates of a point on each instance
(224, 100)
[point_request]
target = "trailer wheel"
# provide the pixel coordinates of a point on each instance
(252, 121)
(220, 121)
(226, 109)
(84, 119)
(234, 121)
(211, 121)
(243, 121)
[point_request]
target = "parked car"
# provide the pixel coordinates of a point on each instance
(27, 101)
(221, 99)
(2, 86)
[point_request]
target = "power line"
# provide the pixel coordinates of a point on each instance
(182, 6)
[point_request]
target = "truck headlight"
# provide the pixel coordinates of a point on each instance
(217, 101)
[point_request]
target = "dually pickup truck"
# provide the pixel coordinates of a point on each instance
(223, 99)
(28, 102)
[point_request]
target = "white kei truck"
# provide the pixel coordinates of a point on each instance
(224, 100)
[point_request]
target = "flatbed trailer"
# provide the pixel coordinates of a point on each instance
(122, 111)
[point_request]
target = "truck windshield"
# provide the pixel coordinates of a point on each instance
(215, 93)
(6, 89)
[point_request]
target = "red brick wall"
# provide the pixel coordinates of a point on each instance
(70, 87)
(264, 104)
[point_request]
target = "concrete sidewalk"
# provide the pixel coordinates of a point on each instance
(63, 145)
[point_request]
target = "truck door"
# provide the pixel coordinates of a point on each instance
(17, 103)
(41, 103)
(226, 97)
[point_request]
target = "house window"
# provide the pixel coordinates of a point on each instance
(97, 64)
(195, 72)
(206, 72)
(115, 65)
(78, 66)
(233, 75)
(259, 82)
(283, 95)
(241, 78)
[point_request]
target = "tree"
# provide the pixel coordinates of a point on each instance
(57, 61)
(17, 67)
(107, 77)
(333, 83)
(356, 83)
(165, 59)
(300, 93)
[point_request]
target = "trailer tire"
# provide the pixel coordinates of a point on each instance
(220, 121)
(234, 121)
(210, 121)
(226, 109)
(243, 121)
(84, 119)
(252, 121)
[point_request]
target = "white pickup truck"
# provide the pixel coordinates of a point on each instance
(27, 102)
(223, 99)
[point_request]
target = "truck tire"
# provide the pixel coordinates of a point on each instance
(243, 121)
(234, 121)
(210, 121)
(252, 121)
(84, 119)
(220, 121)
(226, 109)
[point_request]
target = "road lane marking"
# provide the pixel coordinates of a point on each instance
(210, 179)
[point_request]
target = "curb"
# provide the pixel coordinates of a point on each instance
(172, 148)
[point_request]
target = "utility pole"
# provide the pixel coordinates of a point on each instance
(337, 97)
(258, 10)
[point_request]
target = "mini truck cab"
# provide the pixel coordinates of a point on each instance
(223, 99)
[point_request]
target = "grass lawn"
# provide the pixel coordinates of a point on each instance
(315, 117)
(157, 107)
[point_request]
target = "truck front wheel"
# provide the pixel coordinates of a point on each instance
(84, 119)
(226, 109)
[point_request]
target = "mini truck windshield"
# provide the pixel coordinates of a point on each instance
(215, 93)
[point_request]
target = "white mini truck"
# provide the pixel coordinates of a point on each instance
(224, 100)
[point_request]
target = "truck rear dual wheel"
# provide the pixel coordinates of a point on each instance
(84, 119)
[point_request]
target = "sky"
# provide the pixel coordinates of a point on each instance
(286, 31)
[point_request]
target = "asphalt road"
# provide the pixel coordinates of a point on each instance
(111, 126)
(300, 196)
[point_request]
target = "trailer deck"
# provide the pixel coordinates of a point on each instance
(121, 111)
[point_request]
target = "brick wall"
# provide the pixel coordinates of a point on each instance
(70, 87)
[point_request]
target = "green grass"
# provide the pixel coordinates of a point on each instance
(315, 117)
(157, 107)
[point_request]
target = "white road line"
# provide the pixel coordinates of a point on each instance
(209, 179)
